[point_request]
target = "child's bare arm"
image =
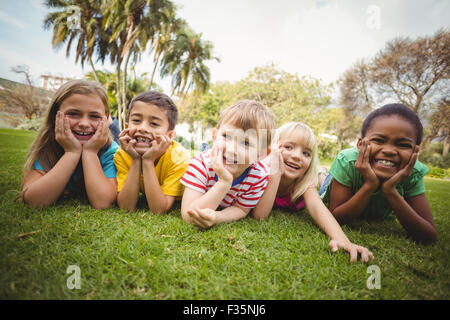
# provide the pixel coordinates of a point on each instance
(346, 206)
(100, 190)
(206, 218)
(322, 216)
(42, 189)
(157, 201)
(211, 199)
(265, 203)
(232, 213)
(343, 204)
(325, 220)
(129, 193)
(414, 213)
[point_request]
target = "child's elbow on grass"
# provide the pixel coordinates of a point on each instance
(258, 215)
(185, 216)
(100, 205)
(427, 239)
(36, 202)
(159, 210)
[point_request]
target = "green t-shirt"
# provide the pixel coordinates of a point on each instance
(343, 170)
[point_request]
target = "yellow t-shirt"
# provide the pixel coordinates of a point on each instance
(169, 169)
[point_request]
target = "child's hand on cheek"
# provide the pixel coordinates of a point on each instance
(64, 135)
(277, 161)
(99, 139)
(389, 185)
(127, 143)
(159, 146)
(362, 164)
(217, 165)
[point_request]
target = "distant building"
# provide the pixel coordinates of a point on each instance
(52, 83)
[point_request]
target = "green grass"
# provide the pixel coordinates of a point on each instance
(143, 256)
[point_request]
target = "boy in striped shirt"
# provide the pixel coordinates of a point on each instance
(230, 176)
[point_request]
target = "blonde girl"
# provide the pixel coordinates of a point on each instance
(292, 184)
(73, 152)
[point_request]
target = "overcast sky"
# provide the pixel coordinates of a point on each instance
(321, 38)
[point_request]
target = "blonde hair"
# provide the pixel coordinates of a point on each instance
(301, 133)
(249, 114)
(45, 147)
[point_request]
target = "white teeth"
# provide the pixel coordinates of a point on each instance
(142, 139)
(292, 166)
(386, 163)
(83, 133)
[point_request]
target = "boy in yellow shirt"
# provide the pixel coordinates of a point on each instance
(149, 160)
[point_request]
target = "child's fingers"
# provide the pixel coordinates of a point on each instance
(364, 255)
(124, 132)
(58, 126)
(353, 254)
(196, 219)
(132, 132)
(67, 130)
(366, 154)
(205, 216)
(334, 246)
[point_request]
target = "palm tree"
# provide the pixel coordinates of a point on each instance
(75, 21)
(133, 23)
(185, 62)
(163, 40)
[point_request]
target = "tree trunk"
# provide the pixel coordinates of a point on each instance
(446, 145)
(93, 70)
(153, 72)
(119, 96)
(124, 85)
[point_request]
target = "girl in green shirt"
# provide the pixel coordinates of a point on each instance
(382, 175)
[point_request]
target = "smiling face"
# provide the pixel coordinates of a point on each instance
(239, 148)
(297, 159)
(145, 121)
(392, 140)
(84, 113)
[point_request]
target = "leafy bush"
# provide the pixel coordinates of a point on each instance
(31, 125)
(328, 149)
(432, 156)
(184, 142)
(438, 172)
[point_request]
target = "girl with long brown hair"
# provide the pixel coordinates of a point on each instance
(73, 152)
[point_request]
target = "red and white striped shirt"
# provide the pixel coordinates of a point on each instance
(245, 191)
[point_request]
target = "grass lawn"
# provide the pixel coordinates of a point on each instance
(143, 256)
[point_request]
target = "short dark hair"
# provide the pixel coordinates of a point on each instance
(160, 100)
(395, 109)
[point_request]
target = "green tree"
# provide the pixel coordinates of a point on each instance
(135, 84)
(413, 72)
(75, 21)
(290, 97)
(133, 23)
(185, 60)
